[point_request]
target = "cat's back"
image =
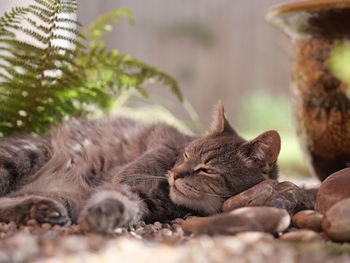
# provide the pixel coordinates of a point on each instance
(113, 137)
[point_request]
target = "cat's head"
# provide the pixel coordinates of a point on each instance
(221, 164)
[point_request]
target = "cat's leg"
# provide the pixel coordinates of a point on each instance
(116, 205)
(41, 208)
(110, 208)
(21, 157)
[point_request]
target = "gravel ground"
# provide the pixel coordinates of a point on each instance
(158, 242)
(155, 243)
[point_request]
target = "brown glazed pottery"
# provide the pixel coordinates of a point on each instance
(321, 106)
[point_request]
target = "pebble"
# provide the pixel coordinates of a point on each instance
(332, 190)
(271, 219)
(178, 230)
(169, 245)
(284, 195)
(253, 237)
(262, 219)
(336, 222)
(46, 226)
(157, 226)
(195, 224)
(166, 232)
(301, 235)
(228, 224)
(308, 219)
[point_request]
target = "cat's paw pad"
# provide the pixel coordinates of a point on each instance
(102, 217)
(49, 211)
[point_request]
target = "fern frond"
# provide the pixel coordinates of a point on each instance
(42, 28)
(50, 5)
(67, 20)
(69, 39)
(41, 84)
(41, 16)
(21, 45)
(100, 26)
(43, 11)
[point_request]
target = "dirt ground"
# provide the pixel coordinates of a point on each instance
(159, 242)
(156, 243)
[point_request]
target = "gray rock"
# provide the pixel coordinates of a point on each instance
(301, 235)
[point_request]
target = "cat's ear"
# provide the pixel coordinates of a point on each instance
(220, 123)
(265, 147)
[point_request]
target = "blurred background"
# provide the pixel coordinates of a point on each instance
(215, 50)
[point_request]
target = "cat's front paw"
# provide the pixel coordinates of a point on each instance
(102, 217)
(49, 211)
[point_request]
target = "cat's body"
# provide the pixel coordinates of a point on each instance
(113, 172)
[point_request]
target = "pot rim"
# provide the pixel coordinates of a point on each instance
(305, 5)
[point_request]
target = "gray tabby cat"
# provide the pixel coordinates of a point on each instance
(114, 172)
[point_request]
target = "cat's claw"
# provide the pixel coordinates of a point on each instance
(102, 217)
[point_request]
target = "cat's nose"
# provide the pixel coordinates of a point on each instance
(176, 175)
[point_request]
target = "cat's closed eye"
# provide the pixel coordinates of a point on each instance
(200, 169)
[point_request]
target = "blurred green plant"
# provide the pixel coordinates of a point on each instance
(42, 82)
(339, 61)
(264, 111)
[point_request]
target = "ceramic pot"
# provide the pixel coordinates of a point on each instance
(321, 106)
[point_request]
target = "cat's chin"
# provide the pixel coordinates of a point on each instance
(206, 206)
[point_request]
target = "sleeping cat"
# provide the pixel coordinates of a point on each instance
(114, 172)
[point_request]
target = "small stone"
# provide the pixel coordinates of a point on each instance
(178, 231)
(166, 232)
(263, 219)
(57, 228)
(75, 229)
(46, 226)
(167, 226)
(253, 237)
(309, 219)
(157, 226)
(284, 195)
(301, 235)
(135, 235)
(336, 222)
(139, 231)
(195, 224)
(140, 225)
(150, 229)
(32, 222)
(12, 226)
(229, 224)
(271, 219)
(119, 230)
(332, 190)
